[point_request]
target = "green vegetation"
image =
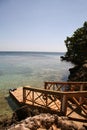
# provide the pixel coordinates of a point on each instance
(77, 46)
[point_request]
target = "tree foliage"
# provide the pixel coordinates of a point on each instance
(77, 45)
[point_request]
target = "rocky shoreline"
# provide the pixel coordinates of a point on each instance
(79, 72)
(47, 122)
(39, 121)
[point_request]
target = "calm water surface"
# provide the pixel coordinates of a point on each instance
(28, 68)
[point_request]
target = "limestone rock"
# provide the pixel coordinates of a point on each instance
(47, 122)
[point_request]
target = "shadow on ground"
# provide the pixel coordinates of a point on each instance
(12, 104)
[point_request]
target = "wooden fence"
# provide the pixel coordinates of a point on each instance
(65, 86)
(56, 97)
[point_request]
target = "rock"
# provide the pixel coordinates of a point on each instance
(56, 119)
(36, 112)
(78, 73)
(46, 122)
(84, 66)
(59, 123)
(85, 125)
(19, 127)
(22, 113)
(82, 128)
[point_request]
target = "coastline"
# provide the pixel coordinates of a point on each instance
(7, 99)
(22, 69)
(43, 121)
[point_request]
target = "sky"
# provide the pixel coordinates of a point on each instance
(39, 25)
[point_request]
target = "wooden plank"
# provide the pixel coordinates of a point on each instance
(64, 104)
(74, 83)
(17, 94)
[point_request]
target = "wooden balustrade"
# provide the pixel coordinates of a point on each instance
(65, 86)
(57, 100)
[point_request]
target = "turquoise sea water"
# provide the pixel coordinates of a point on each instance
(29, 68)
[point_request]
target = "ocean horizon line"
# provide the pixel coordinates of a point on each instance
(33, 51)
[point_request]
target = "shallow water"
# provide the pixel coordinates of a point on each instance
(28, 68)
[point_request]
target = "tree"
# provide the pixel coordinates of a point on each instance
(77, 46)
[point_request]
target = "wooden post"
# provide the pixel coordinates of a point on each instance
(72, 88)
(32, 97)
(24, 95)
(46, 100)
(64, 105)
(53, 87)
(45, 85)
(81, 89)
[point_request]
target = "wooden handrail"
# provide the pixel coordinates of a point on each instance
(50, 82)
(63, 86)
(64, 96)
(69, 93)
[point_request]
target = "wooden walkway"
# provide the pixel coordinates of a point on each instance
(55, 97)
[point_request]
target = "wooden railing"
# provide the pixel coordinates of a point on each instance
(65, 86)
(78, 99)
(41, 97)
(57, 100)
